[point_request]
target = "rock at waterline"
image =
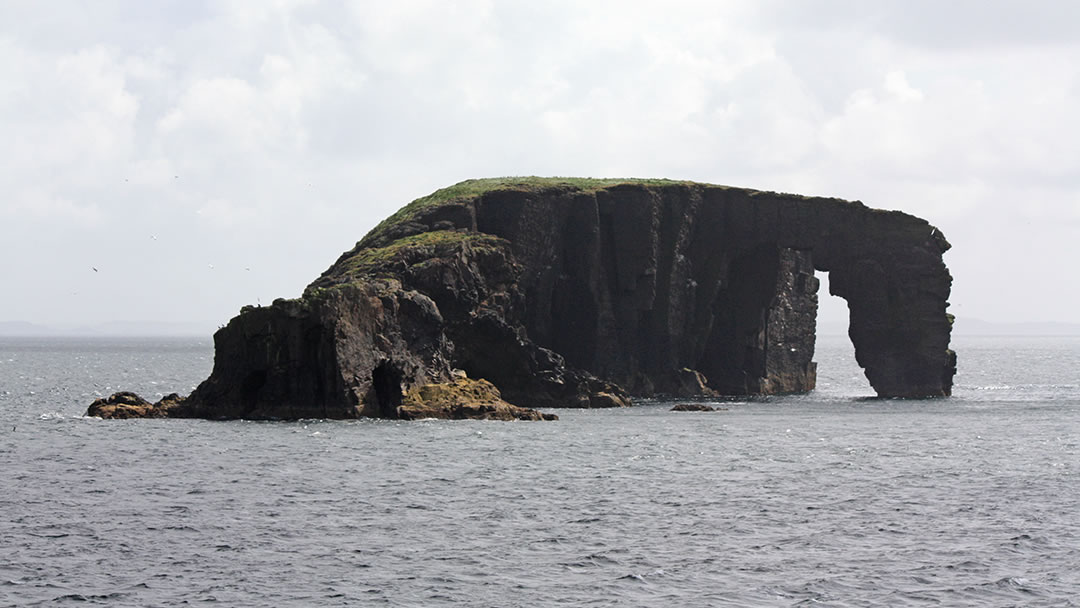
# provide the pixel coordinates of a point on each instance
(129, 405)
(695, 407)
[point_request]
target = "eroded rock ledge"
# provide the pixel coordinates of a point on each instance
(579, 293)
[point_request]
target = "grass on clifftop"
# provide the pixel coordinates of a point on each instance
(371, 260)
(473, 188)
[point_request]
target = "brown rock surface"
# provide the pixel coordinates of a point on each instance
(129, 405)
(462, 398)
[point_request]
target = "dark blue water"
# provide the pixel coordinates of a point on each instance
(825, 499)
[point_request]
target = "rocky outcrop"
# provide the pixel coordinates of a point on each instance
(577, 293)
(406, 315)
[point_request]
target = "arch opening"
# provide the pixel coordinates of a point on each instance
(838, 372)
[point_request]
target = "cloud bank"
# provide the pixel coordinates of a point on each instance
(203, 156)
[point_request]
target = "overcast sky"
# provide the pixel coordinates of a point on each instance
(207, 155)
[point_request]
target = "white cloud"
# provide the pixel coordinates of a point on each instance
(296, 126)
(221, 213)
(897, 85)
(68, 115)
(39, 205)
(228, 111)
(68, 124)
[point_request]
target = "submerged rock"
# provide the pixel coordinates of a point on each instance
(579, 293)
(693, 407)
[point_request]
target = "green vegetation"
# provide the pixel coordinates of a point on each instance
(370, 261)
(316, 293)
(473, 188)
(413, 249)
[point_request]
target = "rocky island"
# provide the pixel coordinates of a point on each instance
(495, 296)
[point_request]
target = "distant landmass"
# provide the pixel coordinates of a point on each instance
(112, 328)
(978, 327)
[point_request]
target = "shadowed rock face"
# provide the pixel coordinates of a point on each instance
(576, 293)
(633, 282)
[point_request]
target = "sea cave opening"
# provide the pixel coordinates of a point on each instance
(386, 381)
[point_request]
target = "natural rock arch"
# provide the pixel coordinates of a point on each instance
(633, 282)
(578, 292)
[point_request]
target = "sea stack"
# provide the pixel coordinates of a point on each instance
(561, 292)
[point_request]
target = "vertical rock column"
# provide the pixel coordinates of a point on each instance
(899, 326)
(790, 324)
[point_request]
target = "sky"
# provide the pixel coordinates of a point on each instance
(172, 161)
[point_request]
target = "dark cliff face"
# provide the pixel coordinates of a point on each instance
(345, 353)
(636, 282)
(575, 293)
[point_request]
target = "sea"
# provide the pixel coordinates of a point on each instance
(832, 498)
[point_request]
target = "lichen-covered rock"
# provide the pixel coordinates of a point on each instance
(604, 399)
(462, 398)
(129, 405)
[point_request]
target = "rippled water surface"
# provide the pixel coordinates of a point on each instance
(824, 499)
